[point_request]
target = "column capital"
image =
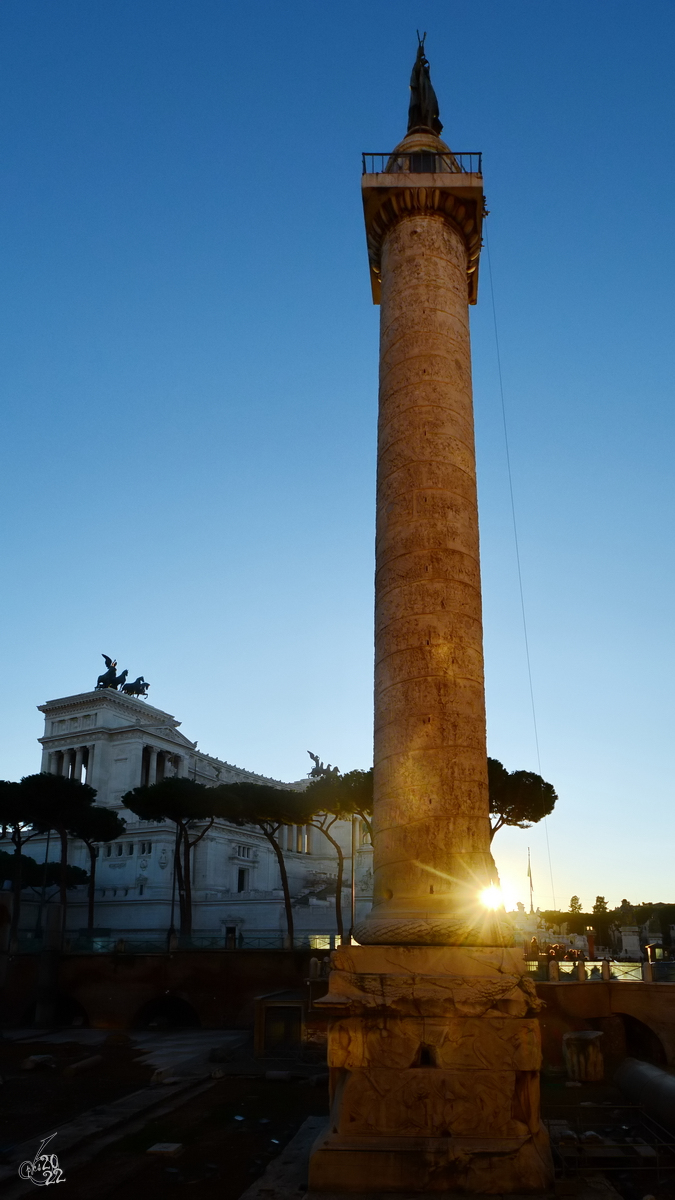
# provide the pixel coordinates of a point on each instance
(455, 197)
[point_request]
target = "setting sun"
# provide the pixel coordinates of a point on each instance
(491, 897)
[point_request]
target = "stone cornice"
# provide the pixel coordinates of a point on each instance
(86, 737)
(457, 198)
(106, 697)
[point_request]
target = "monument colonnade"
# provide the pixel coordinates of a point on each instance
(77, 762)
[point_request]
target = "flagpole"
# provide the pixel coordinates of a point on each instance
(529, 875)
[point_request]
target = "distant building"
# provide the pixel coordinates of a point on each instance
(528, 925)
(117, 742)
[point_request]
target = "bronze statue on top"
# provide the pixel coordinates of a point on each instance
(423, 111)
(318, 771)
(110, 679)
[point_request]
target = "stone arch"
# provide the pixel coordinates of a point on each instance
(68, 1013)
(642, 1042)
(167, 1012)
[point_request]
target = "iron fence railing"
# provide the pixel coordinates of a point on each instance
(618, 972)
(663, 972)
(625, 971)
(424, 162)
(620, 1140)
(161, 942)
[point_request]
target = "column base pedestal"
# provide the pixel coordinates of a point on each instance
(434, 1057)
(479, 1166)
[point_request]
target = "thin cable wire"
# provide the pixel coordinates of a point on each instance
(515, 539)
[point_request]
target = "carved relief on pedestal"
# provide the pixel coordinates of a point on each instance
(424, 1102)
(459, 1043)
(433, 995)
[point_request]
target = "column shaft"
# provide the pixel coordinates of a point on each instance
(432, 836)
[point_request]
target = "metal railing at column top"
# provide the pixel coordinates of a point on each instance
(424, 162)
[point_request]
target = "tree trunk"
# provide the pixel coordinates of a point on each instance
(92, 886)
(178, 866)
(338, 889)
(187, 873)
(367, 821)
(187, 883)
(284, 879)
(16, 887)
(63, 897)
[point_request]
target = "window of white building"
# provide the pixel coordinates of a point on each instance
(130, 848)
(242, 879)
(120, 849)
(243, 851)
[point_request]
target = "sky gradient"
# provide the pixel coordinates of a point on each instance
(188, 376)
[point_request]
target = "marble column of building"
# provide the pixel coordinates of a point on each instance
(79, 758)
(65, 767)
(152, 766)
(90, 764)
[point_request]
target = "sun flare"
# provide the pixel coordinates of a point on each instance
(491, 897)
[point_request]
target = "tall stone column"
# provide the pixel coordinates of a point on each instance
(79, 756)
(433, 1042)
(431, 829)
(65, 766)
(152, 766)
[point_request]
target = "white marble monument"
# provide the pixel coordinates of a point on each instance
(116, 742)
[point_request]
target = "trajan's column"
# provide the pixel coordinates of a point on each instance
(434, 1048)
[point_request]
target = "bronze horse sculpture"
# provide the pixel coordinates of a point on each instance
(110, 678)
(138, 688)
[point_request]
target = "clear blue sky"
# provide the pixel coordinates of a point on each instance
(188, 374)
